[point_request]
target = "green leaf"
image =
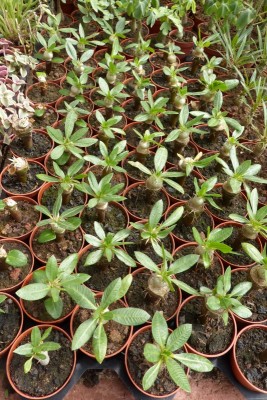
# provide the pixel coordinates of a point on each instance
(160, 158)
(35, 336)
(93, 257)
(28, 365)
(82, 296)
(179, 337)
(130, 316)
(46, 236)
(16, 258)
(83, 333)
(33, 291)
(152, 353)
(241, 289)
(252, 252)
(178, 375)
(186, 288)
(100, 343)
(124, 257)
(54, 308)
(173, 218)
(68, 265)
(183, 264)
(194, 362)
(159, 329)
(150, 376)
(156, 213)
(51, 269)
(242, 311)
(110, 294)
(24, 349)
(145, 261)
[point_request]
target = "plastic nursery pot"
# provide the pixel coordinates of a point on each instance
(196, 139)
(36, 97)
(127, 366)
(17, 305)
(132, 215)
(29, 154)
(261, 294)
(68, 99)
(72, 323)
(11, 355)
(24, 236)
(239, 374)
(186, 44)
(33, 236)
(191, 349)
(144, 270)
(19, 243)
(159, 79)
(32, 193)
(59, 69)
(51, 321)
(225, 261)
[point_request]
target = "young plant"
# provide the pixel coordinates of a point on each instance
(187, 164)
(111, 97)
(258, 273)
(106, 127)
(163, 353)
(198, 52)
(158, 176)
(51, 47)
(51, 282)
(213, 85)
(12, 258)
(113, 68)
(78, 84)
(108, 245)
(102, 312)
(147, 139)
(12, 207)
(37, 348)
(78, 63)
(19, 167)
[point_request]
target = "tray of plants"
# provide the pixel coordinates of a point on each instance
(133, 204)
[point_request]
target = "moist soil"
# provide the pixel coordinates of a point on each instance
(248, 348)
(188, 74)
(148, 70)
(188, 186)
(43, 380)
(173, 159)
(9, 322)
(134, 172)
(193, 87)
(138, 296)
(141, 200)
(201, 223)
(198, 275)
(210, 143)
(237, 206)
(103, 272)
(241, 259)
(255, 299)
(71, 243)
(48, 119)
(210, 337)
(214, 169)
(50, 195)
(187, 37)
(138, 366)
(132, 138)
(160, 79)
(38, 311)
(117, 334)
(41, 145)
(130, 110)
(115, 219)
(158, 60)
(147, 249)
(57, 71)
(11, 184)
(12, 276)
(11, 228)
(50, 96)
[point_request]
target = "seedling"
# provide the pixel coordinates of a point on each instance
(12, 207)
(106, 128)
(19, 167)
(111, 97)
(12, 258)
(258, 273)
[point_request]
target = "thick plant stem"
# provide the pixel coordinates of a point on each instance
(27, 141)
(101, 212)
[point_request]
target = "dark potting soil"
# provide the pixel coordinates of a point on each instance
(43, 380)
(138, 296)
(57, 71)
(138, 366)
(214, 170)
(48, 119)
(188, 186)
(115, 219)
(50, 96)
(188, 151)
(158, 60)
(11, 228)
(210, 143)
(11, 183)
(117, 334)
(211, 337)
(38, 311)
(136, 173)
(131, 136)
(148, 249)
(9, 322)
(41, 145)
(238, 205)
(160, 79)
(248, 348)
(50, 195)
(198, 275)
(140, 201)
(130, 110)
(193, 87)
(255, 299)
(65, 167)
(241, 259)
(12, 276)
(71, 244)
(184, 231)
(187, 37)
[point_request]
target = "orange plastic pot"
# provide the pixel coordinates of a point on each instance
(11, 355)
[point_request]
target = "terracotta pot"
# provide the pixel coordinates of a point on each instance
(11, 355)
(26, 282)
(69, 6)
(134, 217)
(68, 99)
(98, 295)
(28, 200)
(99, 55)
(41, 158)
(33, 193)
(15, 301)
(234, 363)
(168, 395)
(225, 261)
(38, 85)
(12, 289)
(32, 237)
(145, 270)
(191, 349)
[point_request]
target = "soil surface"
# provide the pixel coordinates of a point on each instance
(9, 322)
(136, 173)
(50, 96)
(249, 346)
(48, 119)
(12, 276)
(115, 219)
(209, 142)
(43, 380)
(41, 146)
(11, 183)
(209, 337)
(57, 71)
(50, 195)
(11, 228)
(138, 296)
(184, 231)
(238, 205)
(188, 186)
